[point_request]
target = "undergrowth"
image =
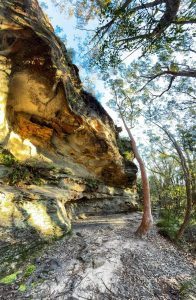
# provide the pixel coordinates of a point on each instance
(24, 174)
(168, 224)
(22, 276)
(187, 287)
(21, 172)
(6, 158)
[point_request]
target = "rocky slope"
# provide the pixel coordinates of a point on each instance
(103, 260)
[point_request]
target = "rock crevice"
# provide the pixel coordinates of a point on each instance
(45, 102)
(48, 121)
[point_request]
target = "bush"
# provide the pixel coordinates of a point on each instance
(6, 158)
(168, 224)
(125, 149)
(24, 174)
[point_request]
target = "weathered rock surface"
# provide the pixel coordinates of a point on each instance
(44, 109)
(59, 158)
(47, 198)
(32, 215)
(50, 207)
(61, 145)
(104, 260)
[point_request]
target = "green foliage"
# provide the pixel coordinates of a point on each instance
(92, 183)
(128, 155)
(68, 171)
(187, 287)
(24, 174)
(29, 270)
(169, 224)
(10, 278)
(22, 288)
(125, 148)
(171, 161)
(124, 27)
(21, 173)
(22, 278)
(6, 158)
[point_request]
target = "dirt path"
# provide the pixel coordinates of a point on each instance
(103, 260)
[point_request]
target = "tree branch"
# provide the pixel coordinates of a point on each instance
(191, 21)
(103, 30)
(182, 73)
(167, 89)
(172, 7)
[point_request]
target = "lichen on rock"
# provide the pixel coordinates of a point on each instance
(64, 144)
(43, 99)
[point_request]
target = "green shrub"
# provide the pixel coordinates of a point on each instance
(92, 183)
(168, 224)
(24, 173)
(7, 158)
(20, 173)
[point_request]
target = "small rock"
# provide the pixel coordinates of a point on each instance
(52, 264)
(82, 217)
(157, 292)
(110, 227)
(85, 257)
(79, 234)
(98, 262)
(38, 260)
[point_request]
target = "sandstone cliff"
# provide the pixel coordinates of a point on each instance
(59, 156)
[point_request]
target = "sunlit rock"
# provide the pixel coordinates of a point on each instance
(43, 100)
(21, 149)
(59, 146)
(4, 82)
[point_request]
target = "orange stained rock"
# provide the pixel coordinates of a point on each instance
(28, 129)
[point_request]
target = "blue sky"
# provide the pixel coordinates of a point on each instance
(67, 26)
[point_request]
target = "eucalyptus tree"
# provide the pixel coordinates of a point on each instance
(178, 140)
(176, 136)
(159, 33)
(166, 178)
(129, 111)
(158, 78)
(126, 26)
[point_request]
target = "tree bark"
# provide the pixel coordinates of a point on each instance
(187, 179)
(147, 219)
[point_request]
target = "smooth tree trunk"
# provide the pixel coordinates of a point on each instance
(147, 219)
(188, 182)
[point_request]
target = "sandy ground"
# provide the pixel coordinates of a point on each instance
(103, 260)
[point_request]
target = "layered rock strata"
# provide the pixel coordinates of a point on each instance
(48, 122)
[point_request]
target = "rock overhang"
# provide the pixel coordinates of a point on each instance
(44, 105)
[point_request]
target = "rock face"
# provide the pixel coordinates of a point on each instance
(61, 145)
